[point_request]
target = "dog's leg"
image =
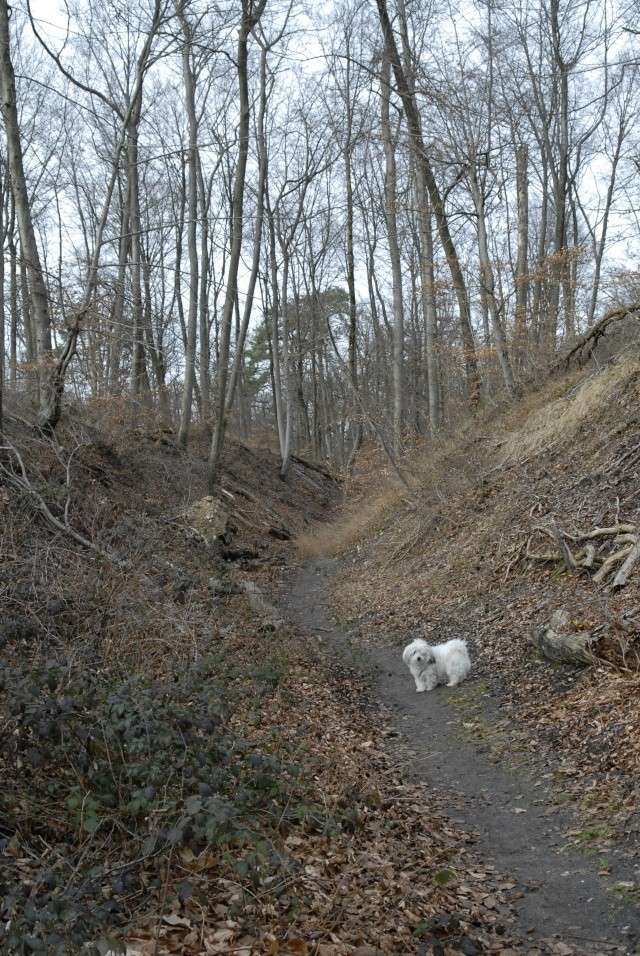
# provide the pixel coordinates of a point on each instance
(430, 678)
(421, 683)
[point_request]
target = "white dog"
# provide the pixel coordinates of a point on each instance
(433, 664)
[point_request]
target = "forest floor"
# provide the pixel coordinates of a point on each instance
(471, 554)
(564, 899)
(181, 772)
(211, 745)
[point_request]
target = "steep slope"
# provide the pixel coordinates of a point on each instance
(181, 772)
(476, 554)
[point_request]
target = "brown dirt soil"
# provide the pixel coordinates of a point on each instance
(453, 562)
(560, 898)
(340, 855)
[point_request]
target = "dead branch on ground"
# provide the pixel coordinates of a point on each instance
(583, 348)
(598, 552)
(19, 480)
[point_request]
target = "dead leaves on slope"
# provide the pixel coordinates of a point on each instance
(394, 877)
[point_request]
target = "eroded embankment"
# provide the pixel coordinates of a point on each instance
(180, 771)
(532, 512)
(476, 555)
(453, 741)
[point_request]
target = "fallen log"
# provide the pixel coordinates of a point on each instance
(583, 348)
(557, 642)
(314, 467)
(239, 554)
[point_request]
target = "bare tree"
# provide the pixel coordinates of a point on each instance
(252, 11)
(427, 184)
(38, 297)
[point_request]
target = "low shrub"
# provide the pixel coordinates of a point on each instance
(106, 779)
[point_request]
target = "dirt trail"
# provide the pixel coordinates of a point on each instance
(519, 830)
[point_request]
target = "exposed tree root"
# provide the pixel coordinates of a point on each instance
(609, 564)
(588, 556)
(631, 560)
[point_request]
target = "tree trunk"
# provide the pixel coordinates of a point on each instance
(595, 287)
(488, 288)
(139, 376)
(351, 280)
(428, 297)
(192, 224)
(286, 361)
(250, 17)
(154, 347)
(13, 296)
(275, 330)
(417, 142)
(257, 240)
(558, 642)
(3, 187)
(38, 298)
(540, 284)
(117, 309)
(205, 343)
(560, 264)
(522, 259)
(390, 203)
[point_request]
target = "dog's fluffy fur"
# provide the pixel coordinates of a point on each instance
(433, 664)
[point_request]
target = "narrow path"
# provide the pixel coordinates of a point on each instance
(518, 829)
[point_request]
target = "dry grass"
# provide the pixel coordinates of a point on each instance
(550, 423)
(357, 521)
(436, 471)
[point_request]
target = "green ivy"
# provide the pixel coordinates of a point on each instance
(114, 774)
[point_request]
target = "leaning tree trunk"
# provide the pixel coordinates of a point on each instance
(417, 143)
(236, 371)
(390, 206)
(192, 212)
(39, 302)
(51, 402)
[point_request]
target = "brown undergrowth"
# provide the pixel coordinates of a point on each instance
(181, 773)
(461, 560)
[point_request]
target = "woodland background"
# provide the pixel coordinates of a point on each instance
(367, 273)
(321, 222)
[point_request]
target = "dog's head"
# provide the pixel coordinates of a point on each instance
(424, 658)
(418, 654)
